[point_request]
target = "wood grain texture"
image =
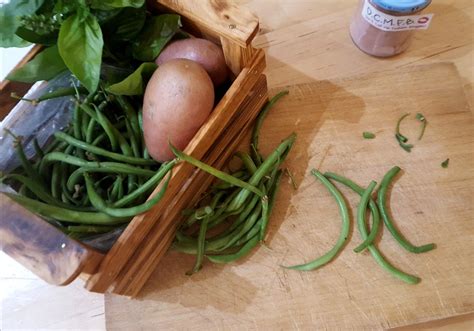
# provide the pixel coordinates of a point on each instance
(221, 17)
(305, 39)
(40, 247)
(429, 204)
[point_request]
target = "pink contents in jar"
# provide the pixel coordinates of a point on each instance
(385, 28)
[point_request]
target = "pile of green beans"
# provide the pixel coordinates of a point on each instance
(233, 217)
(96, 174)
(377, 209)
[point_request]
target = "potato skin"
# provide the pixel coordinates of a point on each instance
(178, 99)
(204, 52)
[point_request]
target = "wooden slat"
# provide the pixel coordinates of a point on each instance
(236, 56)
(147, 257)
(42, 248)
(222, 17)
(140, 226)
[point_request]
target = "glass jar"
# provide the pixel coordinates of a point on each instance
(385, 28)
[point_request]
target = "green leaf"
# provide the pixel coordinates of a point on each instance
(10, 14)
(45, 66)
(445, 163)
(157, 32)
(126, 25)
(35, 38)
(368, 135)
(133, 84)
(110, 4)
(80, 45)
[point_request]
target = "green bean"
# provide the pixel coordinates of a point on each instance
(106, 167)
(227, 258)
(201, 247)
(149, 184)
(100, 151)
(100, 204)
(85, 119)
(399, 136)
(272, 191)
(62, 214)
(39, 152)
(103, 122)
(239, 232)
(376, 254)
(130, 113)
(90, 228)
(361, 210)
(331, 254)
(245, 213)
(274, 158)
(382, 203)
(265, 218)
(89, 136)
(114, 189)
(222, 185)
(33, 186)
(193, 217)
(76, 121)
(61, 92)
(255, 230)
(216, 173)
(247, 161)
(133, 139)
(55, 181)
(94, 166)
(258, 124)
(99, 139)
(268, 210)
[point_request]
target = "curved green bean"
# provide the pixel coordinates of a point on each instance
(148, 185)
(106, 167)
(376, 254)
(361, 210)
(215, 172)
(276, 157)
(345, 227)
(103, 152)
(38, 190)
(63, 214)
(100, 204)
(201, 247)
(382, 203)
(247, 161)
(258, 124)
(227, 258)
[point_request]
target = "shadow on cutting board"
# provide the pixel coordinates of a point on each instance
(169, 278)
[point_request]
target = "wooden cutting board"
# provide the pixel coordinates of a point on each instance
(429, 204)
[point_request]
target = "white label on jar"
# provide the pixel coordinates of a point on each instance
(387, 22)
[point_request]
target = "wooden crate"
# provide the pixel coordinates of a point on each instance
(125, 268)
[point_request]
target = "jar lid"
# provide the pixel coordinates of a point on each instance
(402, 6)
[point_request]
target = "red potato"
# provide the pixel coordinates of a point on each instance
(204, 52)
(178, 99)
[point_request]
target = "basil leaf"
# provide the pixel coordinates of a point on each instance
(80, 45)
(133, 84)
(35, 38)
(110, 4)
(155, 35)
(126, 25)
(45, 66)
(10, 14)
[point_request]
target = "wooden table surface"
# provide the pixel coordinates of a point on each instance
(305, 40)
